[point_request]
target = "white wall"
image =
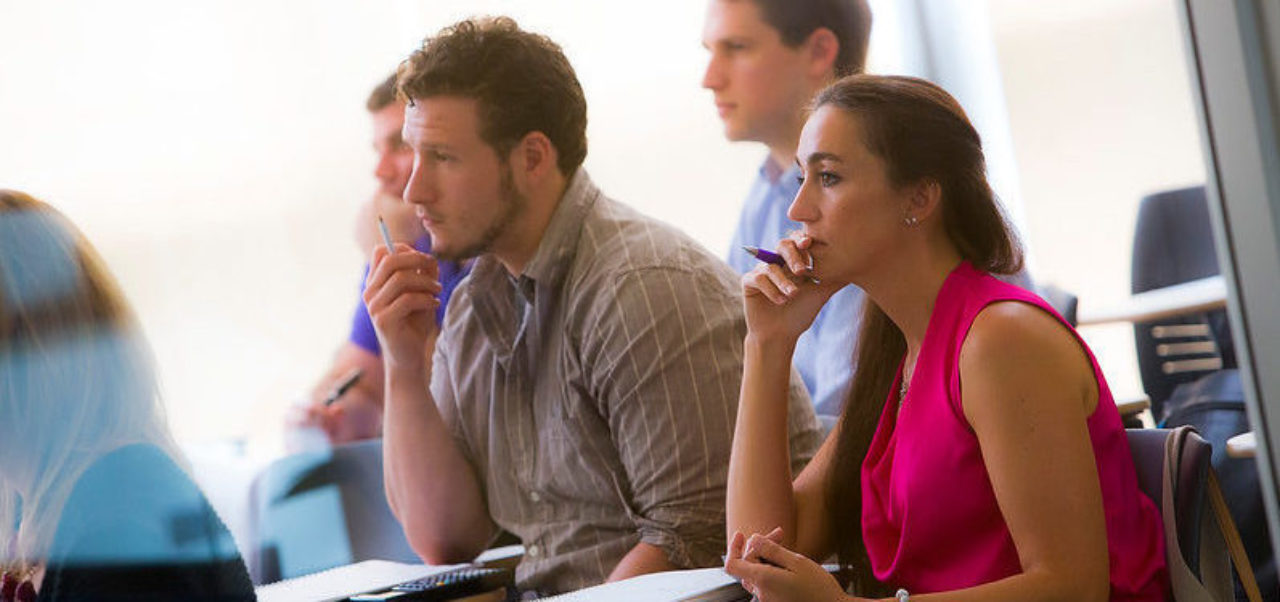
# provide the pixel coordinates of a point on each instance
(215, 151)
(1101, 112)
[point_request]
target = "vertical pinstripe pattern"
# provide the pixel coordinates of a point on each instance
(602, 415)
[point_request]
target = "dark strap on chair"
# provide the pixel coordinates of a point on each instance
(1186, 586)
(1214, 583)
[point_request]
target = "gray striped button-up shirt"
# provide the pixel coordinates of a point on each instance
(595, 394)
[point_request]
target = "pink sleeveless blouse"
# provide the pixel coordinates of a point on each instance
(929, 516)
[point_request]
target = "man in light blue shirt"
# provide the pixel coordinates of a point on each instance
(824, 353)
(768, 59)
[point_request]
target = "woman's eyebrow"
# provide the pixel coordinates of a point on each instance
(820, 156)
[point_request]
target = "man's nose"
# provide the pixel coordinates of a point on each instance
(419, 190)
(383, 170)
(713, 76)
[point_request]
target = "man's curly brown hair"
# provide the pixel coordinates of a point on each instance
(521, 82)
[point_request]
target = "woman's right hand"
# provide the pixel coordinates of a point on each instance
(782, 302)
(402, 296)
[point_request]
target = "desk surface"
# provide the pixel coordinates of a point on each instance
(1244, 445)
(1130, 407)
(1186, 298)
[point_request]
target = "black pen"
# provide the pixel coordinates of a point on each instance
(776, 259)
(343, 386)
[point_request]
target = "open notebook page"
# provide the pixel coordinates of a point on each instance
(702, 585)
(341, 582)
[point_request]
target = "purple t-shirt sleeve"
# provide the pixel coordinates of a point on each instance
(362, 333)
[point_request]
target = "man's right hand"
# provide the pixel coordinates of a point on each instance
(402, 297)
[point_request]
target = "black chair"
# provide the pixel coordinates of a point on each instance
(1214, 406)
(318, 510)
(1173, 244)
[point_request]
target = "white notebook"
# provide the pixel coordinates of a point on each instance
(700, 585)
(341, 582)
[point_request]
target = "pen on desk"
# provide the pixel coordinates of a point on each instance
(775, 259)
(386, 235)
(343, 386)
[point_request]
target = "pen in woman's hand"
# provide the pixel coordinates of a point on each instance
(773, 258)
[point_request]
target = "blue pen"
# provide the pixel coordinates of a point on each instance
(776, 259)
(386, 235)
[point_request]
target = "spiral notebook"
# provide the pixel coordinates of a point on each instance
(697, 585)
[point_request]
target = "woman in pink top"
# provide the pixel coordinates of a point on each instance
(980, 455)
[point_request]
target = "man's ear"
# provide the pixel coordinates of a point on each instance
(823, 47)
(534, 157)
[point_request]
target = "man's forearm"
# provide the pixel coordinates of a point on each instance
(642, 560)
(431, 488)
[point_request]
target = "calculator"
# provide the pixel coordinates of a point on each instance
(450, 585)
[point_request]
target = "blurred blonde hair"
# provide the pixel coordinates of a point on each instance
(76, 376)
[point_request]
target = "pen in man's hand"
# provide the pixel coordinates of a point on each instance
(343, 386)
(386, 235)
(775, 259)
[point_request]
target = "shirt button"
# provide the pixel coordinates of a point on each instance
(535, 496)
(532, 551)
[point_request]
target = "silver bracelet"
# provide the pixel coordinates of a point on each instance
(902, 595)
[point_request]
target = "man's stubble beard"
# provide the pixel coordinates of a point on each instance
(513, 205)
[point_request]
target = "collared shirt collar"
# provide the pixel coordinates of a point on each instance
(559, 242)
(493, 289)
(779, 176)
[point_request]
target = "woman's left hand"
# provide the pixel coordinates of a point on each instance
(773, 573)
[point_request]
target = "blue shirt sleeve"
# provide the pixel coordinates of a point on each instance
(824, 353)
(742, 236)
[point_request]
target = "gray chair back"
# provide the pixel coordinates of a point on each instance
(318, 510)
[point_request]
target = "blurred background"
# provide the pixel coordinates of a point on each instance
(216, 151)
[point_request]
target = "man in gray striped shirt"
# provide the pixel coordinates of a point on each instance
(584, 385)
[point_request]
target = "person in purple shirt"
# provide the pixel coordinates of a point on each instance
(357, 413)
(362, 333)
